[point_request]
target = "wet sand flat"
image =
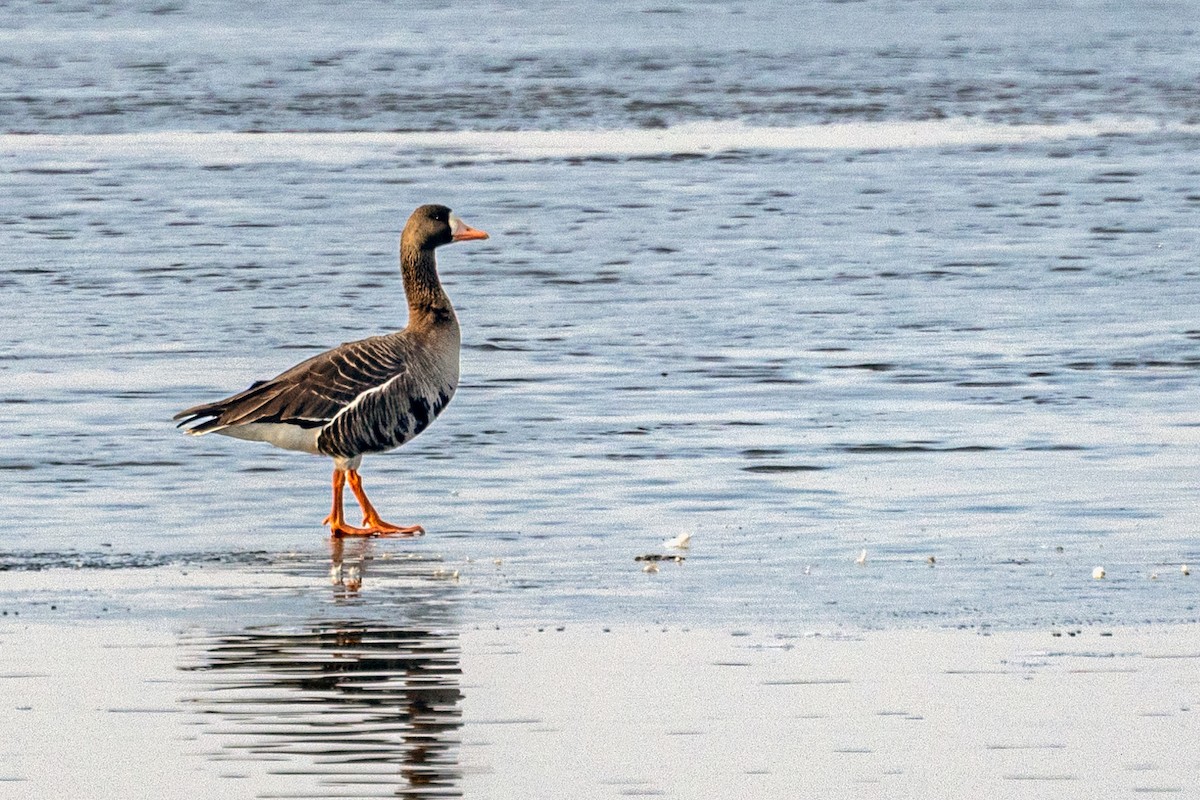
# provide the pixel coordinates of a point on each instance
(106, 711)
(885, 714)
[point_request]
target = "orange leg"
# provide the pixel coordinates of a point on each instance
(336, 519)
(375, 526)
(371, 516)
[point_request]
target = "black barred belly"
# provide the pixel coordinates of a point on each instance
(378, 423)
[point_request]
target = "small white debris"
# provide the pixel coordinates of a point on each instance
(1098, 573)
(862, 557)
(497, 561)
(650, 568)
(335, 575)
(1153, 576)
(681, 542)
(1183, 569)
(808, 569)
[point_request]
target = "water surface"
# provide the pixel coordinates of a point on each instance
(760, 305)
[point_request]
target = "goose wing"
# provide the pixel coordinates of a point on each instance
(310, 394)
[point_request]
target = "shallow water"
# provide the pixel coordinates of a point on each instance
(795, 341)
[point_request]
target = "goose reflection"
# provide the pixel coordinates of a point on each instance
(347, 706)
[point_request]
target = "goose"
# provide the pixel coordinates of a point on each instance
(367, 396)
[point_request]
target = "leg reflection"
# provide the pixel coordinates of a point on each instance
(348, 565)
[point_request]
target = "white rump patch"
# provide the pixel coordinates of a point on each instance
(289, 437)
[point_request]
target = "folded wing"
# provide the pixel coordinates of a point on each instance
(310, 394)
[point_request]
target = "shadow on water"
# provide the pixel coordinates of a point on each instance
(344, 706)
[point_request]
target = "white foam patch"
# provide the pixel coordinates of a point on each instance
(77, 151)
